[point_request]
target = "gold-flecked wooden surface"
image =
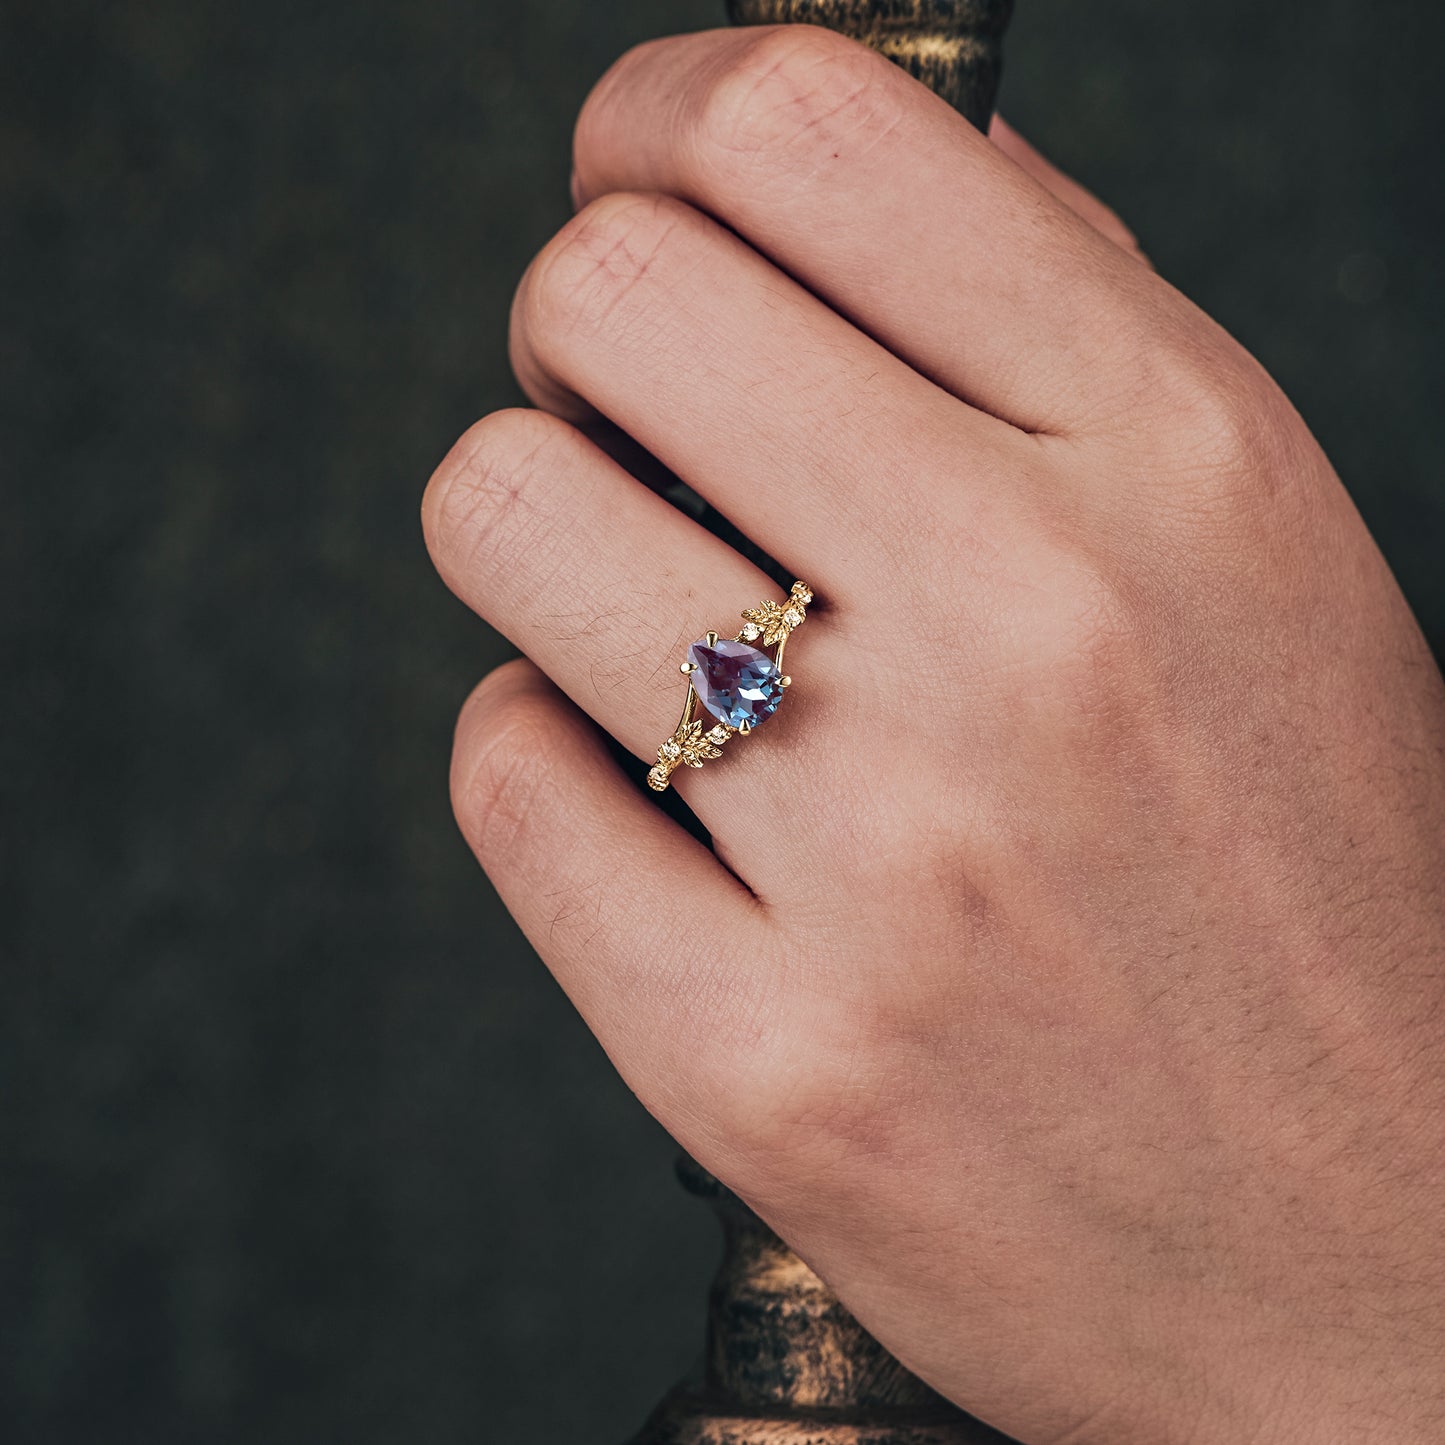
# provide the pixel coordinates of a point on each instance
(786, 1364)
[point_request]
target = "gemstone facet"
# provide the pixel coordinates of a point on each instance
(736, 683)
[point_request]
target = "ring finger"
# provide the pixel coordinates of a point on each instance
(821, 445)
(604, 585)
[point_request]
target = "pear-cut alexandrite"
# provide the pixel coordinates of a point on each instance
(736, 683)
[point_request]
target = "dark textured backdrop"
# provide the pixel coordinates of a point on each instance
(299, 1143)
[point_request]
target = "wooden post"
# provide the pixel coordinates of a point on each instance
(784, 1362)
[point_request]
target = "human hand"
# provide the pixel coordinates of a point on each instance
(1066, 984)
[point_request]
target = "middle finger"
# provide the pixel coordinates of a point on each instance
(817, 442)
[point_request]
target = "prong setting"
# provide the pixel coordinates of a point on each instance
(737, 682)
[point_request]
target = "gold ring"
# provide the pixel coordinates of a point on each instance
(736, 682)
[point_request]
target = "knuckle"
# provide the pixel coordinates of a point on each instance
(499, 764)
(596, 262)
(792, 94)
(609, 96)
(1233, 440)
(1102, 630)
(1086, 638)
(1097, 613)
(478, 502)
(1226, 429)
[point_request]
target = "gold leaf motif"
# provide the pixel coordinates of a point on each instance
(694, 748)
(769, 617)
(776, 620)
(689, 747)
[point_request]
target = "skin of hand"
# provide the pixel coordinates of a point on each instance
(1065, 981)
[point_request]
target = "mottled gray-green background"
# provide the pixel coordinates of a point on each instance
(299, 1143)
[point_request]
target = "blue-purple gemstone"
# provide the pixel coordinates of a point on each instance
(736, 683)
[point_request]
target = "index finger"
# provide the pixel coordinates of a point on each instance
(885, 202)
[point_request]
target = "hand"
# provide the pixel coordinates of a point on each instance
(1066, 982)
